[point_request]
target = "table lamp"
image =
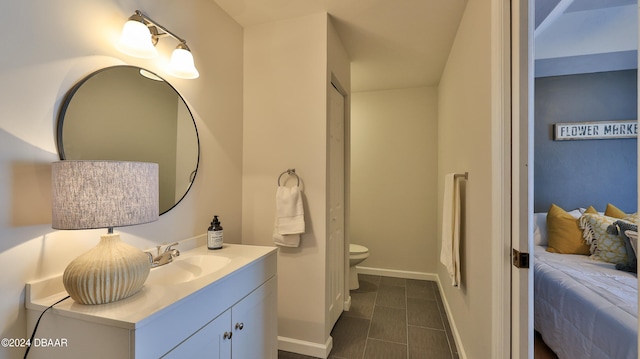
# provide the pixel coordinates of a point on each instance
(104, 194)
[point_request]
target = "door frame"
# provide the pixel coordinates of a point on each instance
(335, 82)
(522, 176)
(501, 173)
(512, 313)
(335, 86)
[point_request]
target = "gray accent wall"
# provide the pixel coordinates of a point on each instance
(581, 173)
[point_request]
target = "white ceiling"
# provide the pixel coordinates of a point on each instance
(391, 43)
(578, 36)
(405, 43)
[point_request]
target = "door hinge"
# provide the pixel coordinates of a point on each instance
(520, 259)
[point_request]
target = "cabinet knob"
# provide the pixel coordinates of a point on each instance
(227, 335)
(239, 326)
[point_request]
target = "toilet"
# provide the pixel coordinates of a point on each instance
(357, 254)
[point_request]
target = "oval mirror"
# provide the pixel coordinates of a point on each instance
(126, 113)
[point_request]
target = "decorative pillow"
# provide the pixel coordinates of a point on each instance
(613, 211)
(563, 232)
(540, 237)
(633, 218)
(540, 229)
(591, 209)
(621, 228)
(604, 246)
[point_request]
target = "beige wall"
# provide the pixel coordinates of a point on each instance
(394, 142)
(464, 125)
(60, 42)
(285, 123)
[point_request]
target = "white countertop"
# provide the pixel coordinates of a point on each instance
(156, 294)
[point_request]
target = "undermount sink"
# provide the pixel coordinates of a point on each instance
(186, 269)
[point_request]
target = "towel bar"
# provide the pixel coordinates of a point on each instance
(461, 175)
(290, 172)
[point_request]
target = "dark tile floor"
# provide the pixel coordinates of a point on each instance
(392, 318)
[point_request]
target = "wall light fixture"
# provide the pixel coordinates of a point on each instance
(139, 36)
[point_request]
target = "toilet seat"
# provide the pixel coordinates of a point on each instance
(357, 249)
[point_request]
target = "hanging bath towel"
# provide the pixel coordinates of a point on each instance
(450, 253)
(289, 222)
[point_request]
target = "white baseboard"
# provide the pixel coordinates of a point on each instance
(305, 348)
(347, 304)
(397, 273)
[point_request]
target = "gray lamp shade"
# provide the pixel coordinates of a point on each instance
(103, 194)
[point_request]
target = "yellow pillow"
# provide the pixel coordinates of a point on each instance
(613, 211)
(564, 233)
(591, 209)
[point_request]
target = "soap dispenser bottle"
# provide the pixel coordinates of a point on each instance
(215, 234)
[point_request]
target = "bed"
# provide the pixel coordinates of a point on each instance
(583, 308)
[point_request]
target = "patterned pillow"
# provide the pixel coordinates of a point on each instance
(604, 246)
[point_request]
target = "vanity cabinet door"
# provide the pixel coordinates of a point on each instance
(255, 324)
(211, 341)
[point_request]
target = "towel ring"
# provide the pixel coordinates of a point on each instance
(290, 172)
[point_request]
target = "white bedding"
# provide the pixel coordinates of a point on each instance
(584, 308)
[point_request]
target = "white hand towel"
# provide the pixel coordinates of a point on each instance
(289, 222)
(285, 240)
(450, 252)
(289, 210)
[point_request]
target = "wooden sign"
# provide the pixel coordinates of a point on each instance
(595, 130)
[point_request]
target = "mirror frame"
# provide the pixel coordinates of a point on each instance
(67, 102)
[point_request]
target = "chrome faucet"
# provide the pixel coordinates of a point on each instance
(164, 257)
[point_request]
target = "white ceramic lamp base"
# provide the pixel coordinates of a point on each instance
(111, 271)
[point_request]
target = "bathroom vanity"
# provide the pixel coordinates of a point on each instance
(205, 304)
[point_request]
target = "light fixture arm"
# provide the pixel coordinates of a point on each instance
(149, 22)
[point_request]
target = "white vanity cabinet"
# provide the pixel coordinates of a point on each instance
(244, 331)
(229, 313)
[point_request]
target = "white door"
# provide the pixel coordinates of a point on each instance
(254, 324)
(522, 177)
(335, 245)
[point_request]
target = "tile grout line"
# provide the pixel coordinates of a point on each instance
(406, 312)
(366, 339)
(375, 306)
